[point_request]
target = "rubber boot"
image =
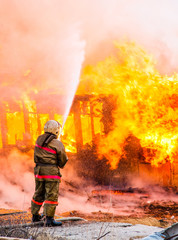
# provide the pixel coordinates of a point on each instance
(50, 222)
(36, 218)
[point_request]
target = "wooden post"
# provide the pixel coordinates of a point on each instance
(4, 130)
(78, 125)
(27, 124)
(92, 121)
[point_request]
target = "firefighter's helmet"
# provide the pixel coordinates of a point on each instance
(52, 126)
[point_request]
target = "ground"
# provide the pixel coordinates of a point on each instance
(156, 216)
(132, 215)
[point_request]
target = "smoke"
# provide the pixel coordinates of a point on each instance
(16, 180)
(17, 185)
(42, 44)
(149, 23)
(40, 49)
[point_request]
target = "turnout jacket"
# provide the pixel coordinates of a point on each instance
(49, 156)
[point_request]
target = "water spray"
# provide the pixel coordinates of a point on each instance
(65, 118)
(61, 129)
(70, 100)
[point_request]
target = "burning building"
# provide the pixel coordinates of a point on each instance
(90, 120)
(125, 126)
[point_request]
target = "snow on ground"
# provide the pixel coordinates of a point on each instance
(94, 230)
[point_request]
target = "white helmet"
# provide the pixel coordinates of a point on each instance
(52, 126)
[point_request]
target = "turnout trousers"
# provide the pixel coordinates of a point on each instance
(46, 192)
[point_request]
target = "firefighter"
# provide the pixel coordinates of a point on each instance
(49, 156)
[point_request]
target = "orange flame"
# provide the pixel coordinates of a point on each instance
(146, 104)
(24, 125)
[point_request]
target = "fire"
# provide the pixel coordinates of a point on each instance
(145, 104)
(23, 123)
(126, 96)
(68, 133)
(106, 192)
